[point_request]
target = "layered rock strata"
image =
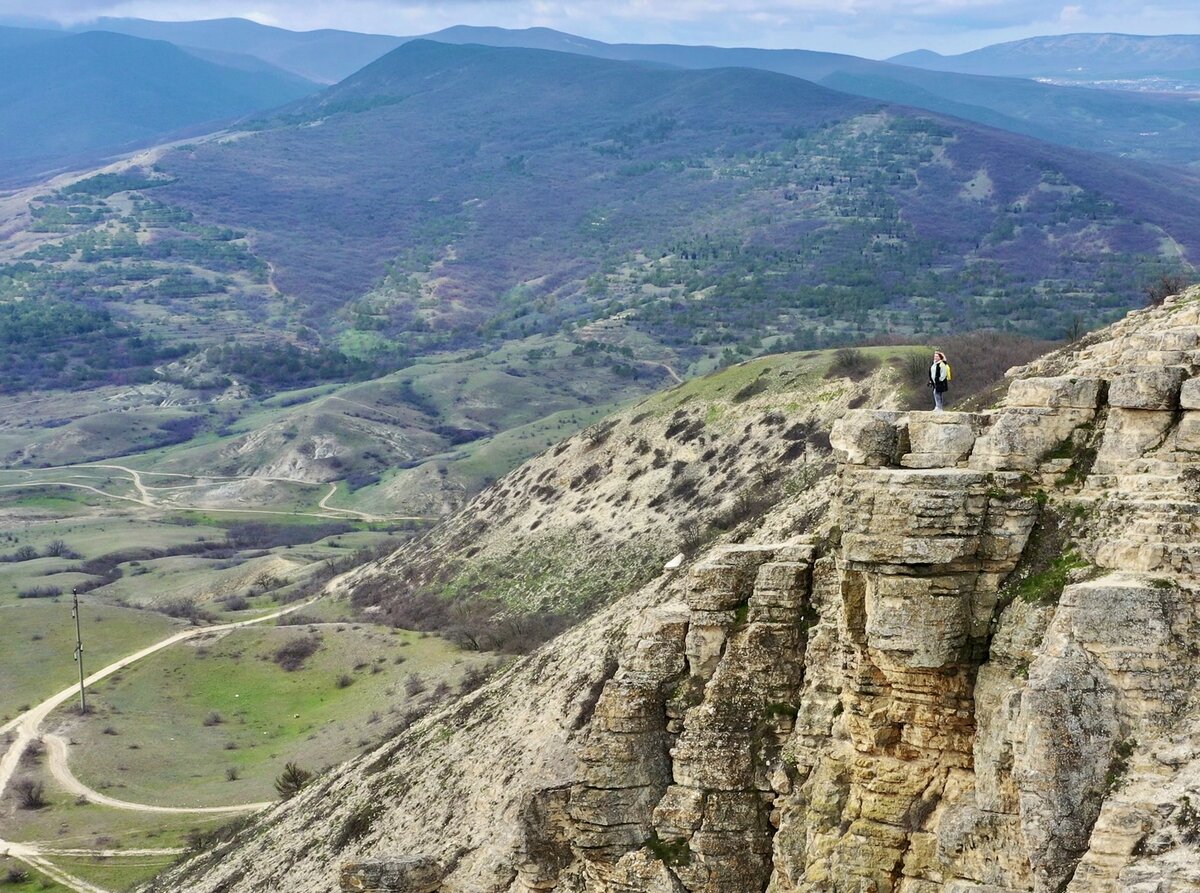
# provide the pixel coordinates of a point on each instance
(948, 727)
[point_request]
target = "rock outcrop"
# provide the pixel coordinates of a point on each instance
(975, 673)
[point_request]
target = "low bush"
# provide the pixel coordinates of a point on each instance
(852, 364)
(1164, 287)
(183, 608)
(235, 603)
(200, 841)
(30, 794)
(292, 654)
(40, 592)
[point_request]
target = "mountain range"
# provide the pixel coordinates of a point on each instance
(978, 87)
(72, 98)
(506, 240)
(1070, 55)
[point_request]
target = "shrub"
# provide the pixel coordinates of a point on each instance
(414, 685)
(852, 364)
(291, 780)
(235, 603)
(232, 774)
(357, 824)
(473, 678)
(296, 618)
(31, 794)
(260, 535)
(40, 592)
(59, 549)
(24, 553)
(344, 681)
(214, 719)
(201, 841)
(183, 608)
(1164, 287)
(292, 654)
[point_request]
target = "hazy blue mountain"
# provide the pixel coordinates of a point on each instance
(1152, 127)
(70, 99)
(20, 36)
(325, 56)
(1070, 55)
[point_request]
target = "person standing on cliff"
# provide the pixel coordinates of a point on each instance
(939, 379)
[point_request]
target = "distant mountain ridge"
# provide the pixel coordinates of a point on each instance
(1154, 128)
(1146, 126)
(1094, 55)
(325, 56)
(74, 98)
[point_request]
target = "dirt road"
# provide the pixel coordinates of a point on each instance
(27, 727)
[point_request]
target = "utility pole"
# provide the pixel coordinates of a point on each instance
(79, 652)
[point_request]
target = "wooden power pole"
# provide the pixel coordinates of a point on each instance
(79, 652)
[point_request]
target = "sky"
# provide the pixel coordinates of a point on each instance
(873, 28)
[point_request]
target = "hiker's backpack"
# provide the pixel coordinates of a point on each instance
(949, 371)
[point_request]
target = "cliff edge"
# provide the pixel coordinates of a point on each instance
(974, 673)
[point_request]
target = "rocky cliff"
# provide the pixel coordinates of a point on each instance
(974, 673)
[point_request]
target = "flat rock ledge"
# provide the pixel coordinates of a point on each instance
(403, 874)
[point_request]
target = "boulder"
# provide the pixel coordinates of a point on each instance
(1189, 394)
(1055, 393)
(940, 439)
(1020, 437)
(868, 437)
(1156, 389)
(1129, 435)
(924, 620)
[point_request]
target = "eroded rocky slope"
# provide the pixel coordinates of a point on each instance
(975, 673)
(599, 514)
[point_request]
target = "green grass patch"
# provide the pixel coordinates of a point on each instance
(25, 879)
(115, 873)
(39, 643)
(169, 730)
(1046, 586)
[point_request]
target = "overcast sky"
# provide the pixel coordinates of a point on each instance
(876, 28)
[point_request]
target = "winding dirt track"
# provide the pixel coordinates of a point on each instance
(146, 493)
(56, 750)
(27, 727)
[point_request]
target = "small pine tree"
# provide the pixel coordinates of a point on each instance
(291, 780)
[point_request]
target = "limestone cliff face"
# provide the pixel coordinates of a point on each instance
(975, 674)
